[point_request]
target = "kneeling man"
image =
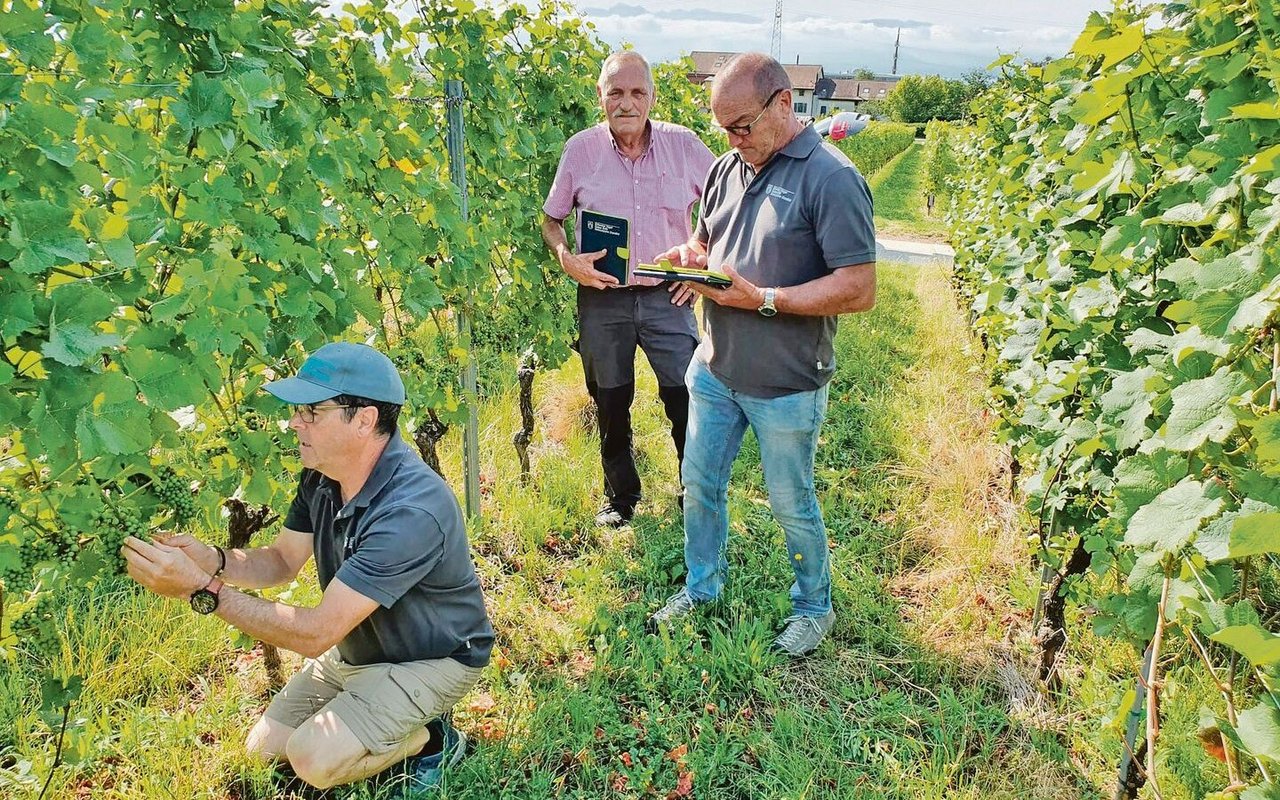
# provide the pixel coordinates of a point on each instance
(401, 632)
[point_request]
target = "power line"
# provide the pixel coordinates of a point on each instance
(971, 14)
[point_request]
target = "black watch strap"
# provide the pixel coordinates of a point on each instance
(222, 561)
(205, 601)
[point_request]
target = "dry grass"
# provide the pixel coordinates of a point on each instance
(963, 537)
(566, 410)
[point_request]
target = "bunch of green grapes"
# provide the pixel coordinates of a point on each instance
(37, 630)
(111, 525)
(15, 574)
(35, 548)
(8, 504)
(176, 494)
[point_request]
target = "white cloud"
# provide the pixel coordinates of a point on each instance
(947, 36)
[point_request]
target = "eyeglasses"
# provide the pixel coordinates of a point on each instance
(745, 130)
(307, 413)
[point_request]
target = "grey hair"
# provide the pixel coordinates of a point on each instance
(615, 62)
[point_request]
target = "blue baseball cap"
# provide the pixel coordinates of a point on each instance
(342, 368)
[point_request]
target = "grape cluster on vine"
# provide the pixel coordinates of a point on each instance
(176, 494)
(37, 630)
(111, 526)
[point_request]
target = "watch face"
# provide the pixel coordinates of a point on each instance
(204, 602)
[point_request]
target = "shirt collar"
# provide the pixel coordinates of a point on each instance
(801, 146)
(386, 466)
(648, 128)
(804, 143)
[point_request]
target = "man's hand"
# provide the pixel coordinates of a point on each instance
(581, 267)
(683, 255)
(205, 556)
(168, 571)
(742, 294)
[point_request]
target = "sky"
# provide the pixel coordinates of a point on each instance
(945, 37)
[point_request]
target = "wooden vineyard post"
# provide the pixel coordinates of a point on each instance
(522, 437)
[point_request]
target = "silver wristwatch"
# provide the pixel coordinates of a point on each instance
(767, 308)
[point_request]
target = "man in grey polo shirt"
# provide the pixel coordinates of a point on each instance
(789, 219)
(401, 632)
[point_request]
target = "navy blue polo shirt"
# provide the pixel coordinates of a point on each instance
(402, 542)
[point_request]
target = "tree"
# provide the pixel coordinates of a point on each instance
(920, 98)
(875, 109)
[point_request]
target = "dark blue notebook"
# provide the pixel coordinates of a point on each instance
(606, 232)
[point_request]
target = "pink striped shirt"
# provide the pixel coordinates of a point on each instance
(655, 193)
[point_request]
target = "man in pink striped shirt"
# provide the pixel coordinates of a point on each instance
(650, 173)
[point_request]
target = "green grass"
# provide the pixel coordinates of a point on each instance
(901, 208)
(900, 702)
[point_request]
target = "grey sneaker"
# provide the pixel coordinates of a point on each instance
(802, 635)
(611, 516)
(678, 605)
(424, 774)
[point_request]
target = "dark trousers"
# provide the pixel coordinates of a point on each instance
(613, 413)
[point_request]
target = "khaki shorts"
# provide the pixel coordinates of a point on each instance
(382, 704)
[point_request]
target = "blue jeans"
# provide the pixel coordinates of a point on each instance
(787, 430)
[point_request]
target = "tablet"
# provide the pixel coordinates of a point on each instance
(666, 271)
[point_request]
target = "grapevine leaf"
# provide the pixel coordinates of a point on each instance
(1255, 643)
(1265, 110)
(1141, 477)
(116, 422)
(166, 380)
(1259, 731)
(44, 236)
(10, 549)
(1024, 342)
(1263, 161)
(1187, 214)
(1170, 520)
(1255, 533)
(121, 251)
(205, 104)
(17, 314)
(1202, 411)
(73, 321)
(254, 90)
(56, 693)
(1239, 533)
(1126, 407)
(1261, 791)
(1266, 436)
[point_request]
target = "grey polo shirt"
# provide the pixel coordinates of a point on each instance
(402, 542)
(807, 213)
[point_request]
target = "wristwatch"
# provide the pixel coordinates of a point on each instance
(205, 601)
(767, 308)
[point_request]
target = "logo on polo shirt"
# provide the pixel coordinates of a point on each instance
(773, 190)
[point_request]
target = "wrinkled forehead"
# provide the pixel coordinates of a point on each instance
(625, 74)
(733, 100)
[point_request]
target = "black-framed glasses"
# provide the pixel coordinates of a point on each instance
(307, 413)
(745, 130)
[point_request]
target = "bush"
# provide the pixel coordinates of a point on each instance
(876, 146)
(940, 163)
